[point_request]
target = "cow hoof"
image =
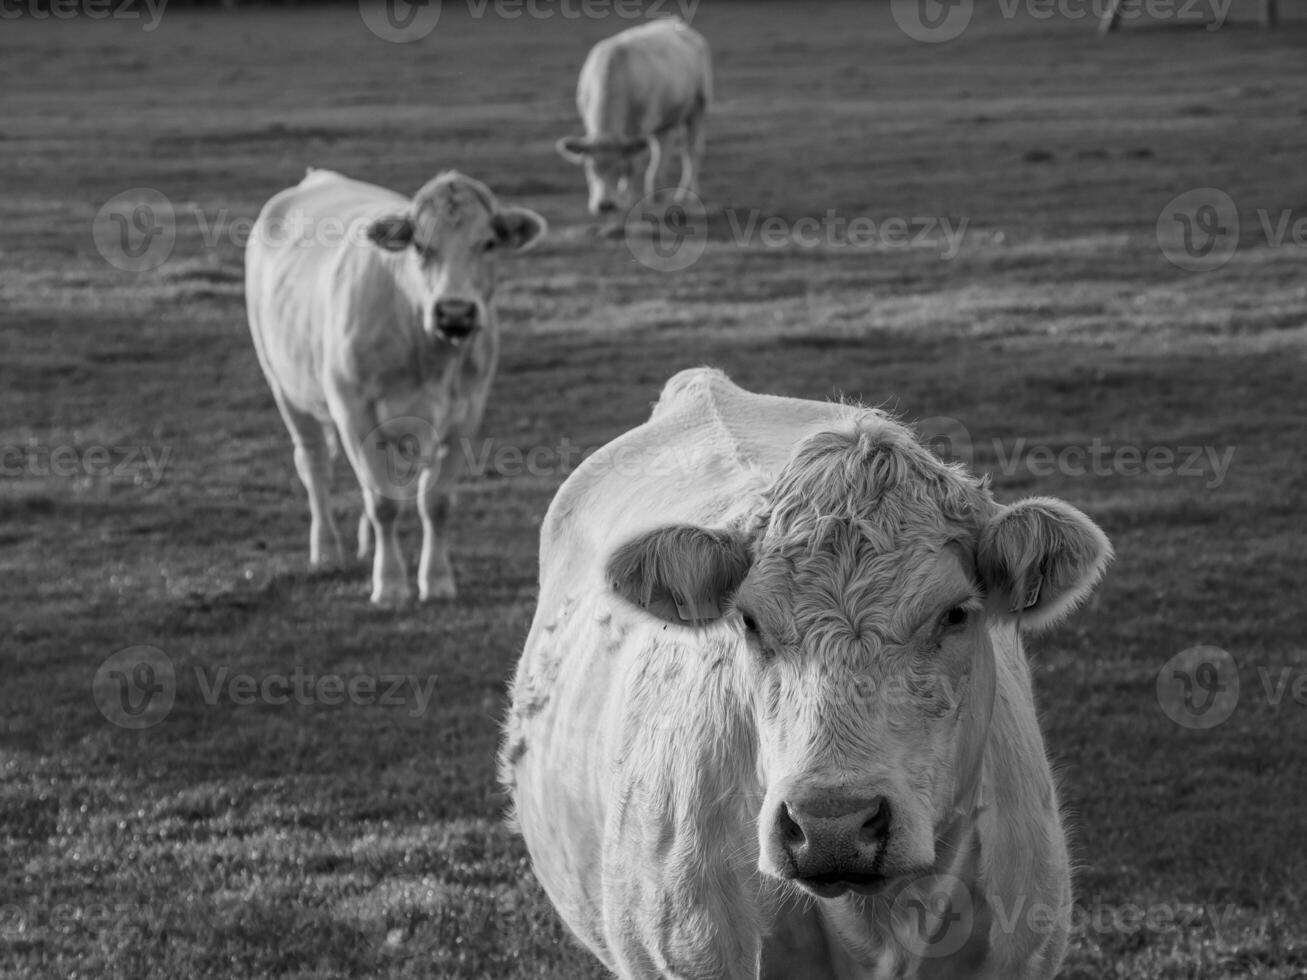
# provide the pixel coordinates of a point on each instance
(390, 598)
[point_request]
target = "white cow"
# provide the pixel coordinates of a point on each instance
(636, 90)
(773, 718)
(374, 322)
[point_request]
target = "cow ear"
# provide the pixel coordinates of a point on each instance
(681, 574)
(573, 148)
(394, 232)
(519, 228)
(1039, 559)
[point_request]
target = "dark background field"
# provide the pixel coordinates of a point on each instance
(345, 840)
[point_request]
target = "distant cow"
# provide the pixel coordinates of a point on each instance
(636, 90)
(374, 322)
(773, 718)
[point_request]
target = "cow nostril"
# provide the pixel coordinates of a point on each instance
(876, 826)
(607, 207)
(791, 832)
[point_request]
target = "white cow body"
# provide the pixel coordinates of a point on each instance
(637, 766)
(349, 311)
(636, 90)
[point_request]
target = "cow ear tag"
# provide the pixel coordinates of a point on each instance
(1032, 593)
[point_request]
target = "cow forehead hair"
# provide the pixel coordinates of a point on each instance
(876, 477)
(448, 201)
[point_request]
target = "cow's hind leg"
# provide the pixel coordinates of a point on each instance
(655, 161)
(691, 156)
(313, 462)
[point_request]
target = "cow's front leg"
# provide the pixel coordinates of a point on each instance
(435, 503)
(389, 581)
(655, 161)
(691, 157)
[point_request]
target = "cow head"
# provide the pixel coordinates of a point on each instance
(866, 598)
(610, 168)
(448, 239)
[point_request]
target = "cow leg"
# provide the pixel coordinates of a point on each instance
(435, 504)
(691, 157)
(380, 511)
(313, 459)
(655, 160)
(364, 537)
(389, 581)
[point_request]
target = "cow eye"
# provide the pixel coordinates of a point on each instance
(491, 245)
(956, 616)
(750, 623)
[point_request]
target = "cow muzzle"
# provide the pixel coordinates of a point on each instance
(456, 319)
(832, 844)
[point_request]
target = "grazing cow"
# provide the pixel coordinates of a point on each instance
(637, 89)
(773, 718)
(374, 322)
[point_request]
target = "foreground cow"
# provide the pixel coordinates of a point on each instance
(637, 89)
(773, 718)
(374, 322)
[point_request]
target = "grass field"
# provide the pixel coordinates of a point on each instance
(242, 837)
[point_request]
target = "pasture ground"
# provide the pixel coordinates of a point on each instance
(337, 840)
